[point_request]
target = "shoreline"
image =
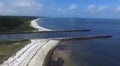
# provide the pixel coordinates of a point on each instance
(35, 25)
(34, 53)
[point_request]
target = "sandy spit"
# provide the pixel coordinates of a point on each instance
(34, 53)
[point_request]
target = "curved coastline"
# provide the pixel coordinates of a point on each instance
(34, 53)
(35, 25)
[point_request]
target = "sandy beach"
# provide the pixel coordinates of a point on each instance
(34, 53)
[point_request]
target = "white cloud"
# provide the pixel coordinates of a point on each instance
(2, 5)
(117, 9)
(19, 7)
(91, 7)
(72, 6)
(22, 4)
(4, 9)
(27, 3)
(94, 8)
(61, 9)
(101, 8)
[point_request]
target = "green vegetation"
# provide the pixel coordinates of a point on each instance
(15, 23)
(8, 48)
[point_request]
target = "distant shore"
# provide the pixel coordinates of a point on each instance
(15, 23)
(35, 25)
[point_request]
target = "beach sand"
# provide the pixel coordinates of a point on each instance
(34, 53)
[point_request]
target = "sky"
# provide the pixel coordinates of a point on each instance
(62, 8)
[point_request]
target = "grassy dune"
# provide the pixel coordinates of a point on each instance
(9, 48)
(11, 24)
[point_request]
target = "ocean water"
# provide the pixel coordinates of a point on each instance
(94, 52)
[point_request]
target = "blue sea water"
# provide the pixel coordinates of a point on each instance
(94, 52)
